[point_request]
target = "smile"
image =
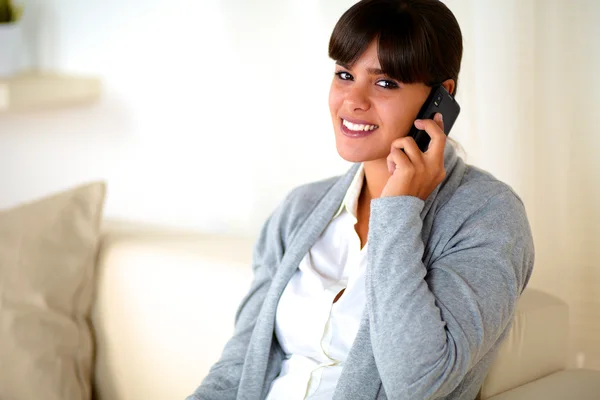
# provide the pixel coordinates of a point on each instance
(358, 127)
(356, 131)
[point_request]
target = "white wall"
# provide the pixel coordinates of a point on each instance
(212, 110)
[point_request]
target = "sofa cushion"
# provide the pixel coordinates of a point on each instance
(577, 384)
(47, 257)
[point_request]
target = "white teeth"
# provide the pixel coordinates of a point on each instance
(358, 127)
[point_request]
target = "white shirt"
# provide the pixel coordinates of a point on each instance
(315, 333)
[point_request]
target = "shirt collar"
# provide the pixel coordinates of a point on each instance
(350, 202)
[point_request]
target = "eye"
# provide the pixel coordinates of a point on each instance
(387, 84)
(343, 75)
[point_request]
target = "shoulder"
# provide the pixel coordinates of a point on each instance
(479, 190)
(285, 220)
(481, 209)
(298, 204)
(303, 198)
(485, 213)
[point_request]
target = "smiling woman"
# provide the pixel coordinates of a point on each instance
(391, 45)
(399, 279)
(364, 100)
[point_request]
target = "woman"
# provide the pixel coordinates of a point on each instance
(399, 279)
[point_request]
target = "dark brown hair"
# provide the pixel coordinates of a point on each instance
(418, 40)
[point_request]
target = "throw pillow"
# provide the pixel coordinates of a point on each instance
(47, 256)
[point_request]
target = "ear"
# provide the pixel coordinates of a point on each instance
(449, 85)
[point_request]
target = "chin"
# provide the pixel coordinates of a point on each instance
(356, 154)
(360, 150)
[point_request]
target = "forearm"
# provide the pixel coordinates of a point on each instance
(408, 335)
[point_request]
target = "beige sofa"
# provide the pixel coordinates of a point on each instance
(165, 303)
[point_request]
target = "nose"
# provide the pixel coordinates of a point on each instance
(357, 98)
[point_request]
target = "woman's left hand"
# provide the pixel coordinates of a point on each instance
(414, 173)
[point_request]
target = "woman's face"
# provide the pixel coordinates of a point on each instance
(369, 110)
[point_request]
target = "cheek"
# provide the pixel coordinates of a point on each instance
(335, 99)
(400, 117)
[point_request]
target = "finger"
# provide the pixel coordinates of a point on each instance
(397, 159)
(411, 149)
(439, 120)
(437, 135)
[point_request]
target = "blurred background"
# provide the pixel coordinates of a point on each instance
(212, 111)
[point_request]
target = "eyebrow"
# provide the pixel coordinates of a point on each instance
(371, 71)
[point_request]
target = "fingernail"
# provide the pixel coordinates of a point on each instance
(440, 117)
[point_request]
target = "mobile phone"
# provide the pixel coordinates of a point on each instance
(439, 100)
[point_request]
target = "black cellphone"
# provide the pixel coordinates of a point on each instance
(439, 101)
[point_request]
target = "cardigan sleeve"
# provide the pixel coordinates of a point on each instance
(223, 379)
(431, 324)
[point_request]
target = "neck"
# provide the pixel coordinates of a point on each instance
(376, 177)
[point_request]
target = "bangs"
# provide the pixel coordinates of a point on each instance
(407, 51)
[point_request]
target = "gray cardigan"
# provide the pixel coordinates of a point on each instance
(442, 282)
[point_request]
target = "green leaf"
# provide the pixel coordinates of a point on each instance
(9, 12)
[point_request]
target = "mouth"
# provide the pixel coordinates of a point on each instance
(356, 130)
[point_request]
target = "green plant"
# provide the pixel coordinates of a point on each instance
(9, 12)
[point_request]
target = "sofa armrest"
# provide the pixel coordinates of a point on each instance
(577, 384)
(536, 345)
